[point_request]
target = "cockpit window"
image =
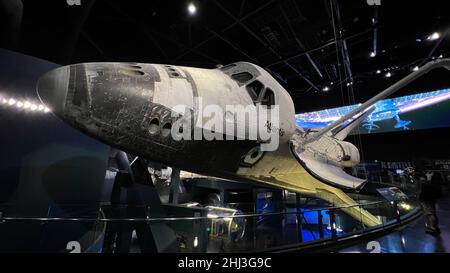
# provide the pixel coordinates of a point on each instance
(254, 89)
(259, 94)
(242, 77)
(241, 72)
(268, 99)
(226, 67)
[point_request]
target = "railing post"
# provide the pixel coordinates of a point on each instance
(174, 186)
(397, 212)
(333, 224)
(299, 218)
(197, 242)
(320, 223)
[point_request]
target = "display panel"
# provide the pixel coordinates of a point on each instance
(419, 111)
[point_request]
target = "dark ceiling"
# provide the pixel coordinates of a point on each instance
(306, 44)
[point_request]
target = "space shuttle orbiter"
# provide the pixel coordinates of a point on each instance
(136, 107)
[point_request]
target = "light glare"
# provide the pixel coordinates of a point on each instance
(192, 8)
(434, 36)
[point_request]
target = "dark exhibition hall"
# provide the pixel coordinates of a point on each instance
(224, 127)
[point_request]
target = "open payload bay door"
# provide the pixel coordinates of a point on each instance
(327, 173)
(325, 154)
(325, 157)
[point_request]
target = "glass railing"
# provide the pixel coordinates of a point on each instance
(186, 228)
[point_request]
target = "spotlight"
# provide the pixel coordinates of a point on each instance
(373, 54)
(46, 110)
(26, 105)
(192, 9)
(4, 101)
(212, 216)
(33, 107)
(441, 56)
(12, 101)
(378, 71)
(41, 107)
(434, 36)
(349, 83)
(415, 68)
(388, 75)
(326, 89)
(19, 104)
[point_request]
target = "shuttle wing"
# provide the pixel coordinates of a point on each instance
(284, 171)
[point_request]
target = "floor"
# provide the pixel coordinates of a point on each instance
(412, 239)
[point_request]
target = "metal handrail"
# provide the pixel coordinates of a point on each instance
(158, 219)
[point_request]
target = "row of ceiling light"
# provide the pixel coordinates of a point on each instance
(388, 74)
(432, 37)
(387, 71)
(192, 10)
(23, 105)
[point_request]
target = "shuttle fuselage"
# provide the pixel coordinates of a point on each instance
(145, 108)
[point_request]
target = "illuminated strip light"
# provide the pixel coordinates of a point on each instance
(24, 105)
(318, 119)
(425, 102)
(427, 98)
(421, 96)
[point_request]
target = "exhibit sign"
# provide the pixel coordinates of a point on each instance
(392, 194)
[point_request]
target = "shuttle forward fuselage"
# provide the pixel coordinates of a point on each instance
(130, 106)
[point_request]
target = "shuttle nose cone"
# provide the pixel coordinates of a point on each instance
(52, 88)
(112, 102)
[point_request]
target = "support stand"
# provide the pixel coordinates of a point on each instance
(299, 218)
(141, 202)
(174, 186)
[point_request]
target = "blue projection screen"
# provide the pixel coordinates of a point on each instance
(419, 111)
